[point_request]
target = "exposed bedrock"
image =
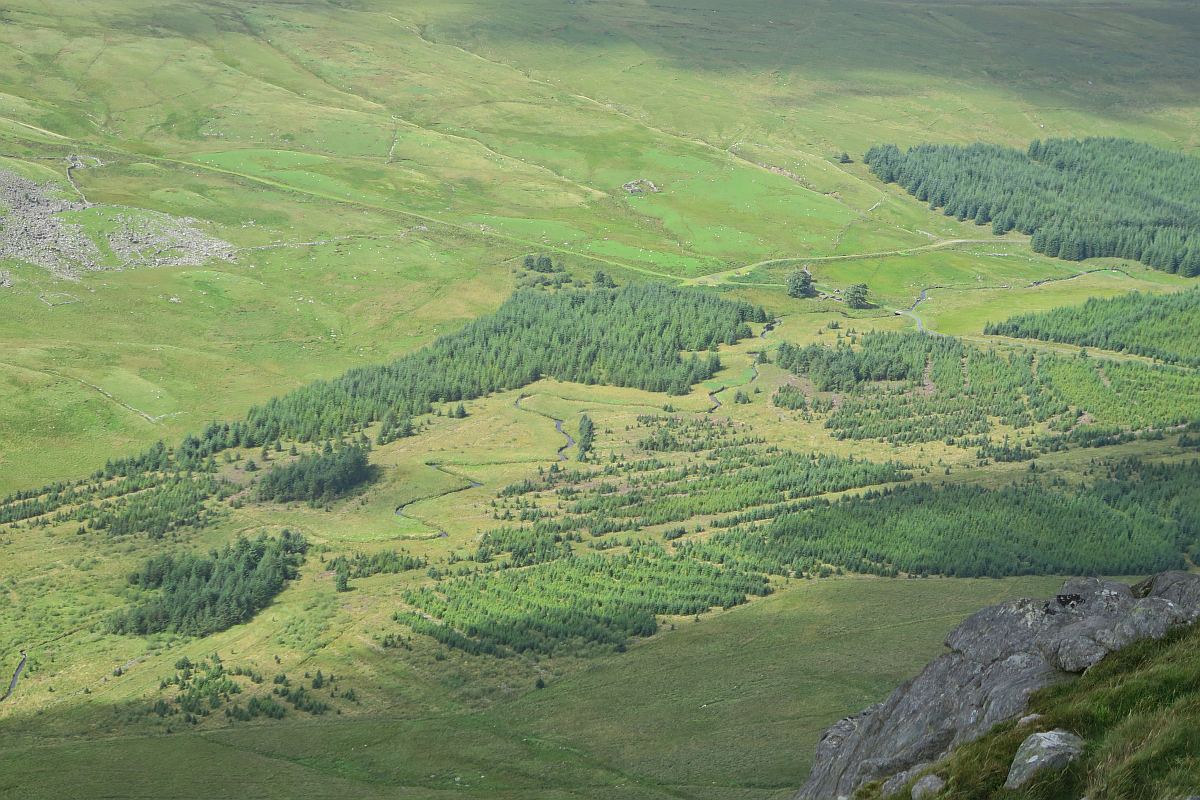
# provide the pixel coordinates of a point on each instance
(997, 658)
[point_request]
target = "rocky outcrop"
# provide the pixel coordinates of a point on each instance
(998, 657)
(640, 186)
(1041, 751)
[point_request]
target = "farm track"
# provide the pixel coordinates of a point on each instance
(142, 414)
(74, 162)
(911, 251)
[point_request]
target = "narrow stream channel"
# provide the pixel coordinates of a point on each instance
(474, 485)
(562, 451)
(16, 676)
(754, 366)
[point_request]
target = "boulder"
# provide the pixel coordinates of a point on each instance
(895, 784)
(1041, 751)
(996, 659)
(927, 787)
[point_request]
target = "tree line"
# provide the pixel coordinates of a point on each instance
(633, 336)
(1121, 525)
(1096, 197)
(1161, 326)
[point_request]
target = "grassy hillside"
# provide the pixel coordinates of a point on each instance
(476, 136)
(726, 707)
(856, 637)
(242, 199)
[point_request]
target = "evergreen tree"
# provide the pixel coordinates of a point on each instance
(587, 433)
(1099, 197)
(199, 595)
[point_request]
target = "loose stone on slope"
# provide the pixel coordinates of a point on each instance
(1041, 751)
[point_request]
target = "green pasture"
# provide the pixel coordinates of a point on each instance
(734, 701)
(727, 707)
(184, 345)
(395, 163)
(964, 312)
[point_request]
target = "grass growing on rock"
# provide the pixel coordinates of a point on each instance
(1139, 712)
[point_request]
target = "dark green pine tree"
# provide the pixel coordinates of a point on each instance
(587, 435)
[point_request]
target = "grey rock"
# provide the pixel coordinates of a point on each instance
(1030, 718)
(927, 786)
(33, 230)
(996, 659)
(1181, 588)
(1041, 751)
(895, 784)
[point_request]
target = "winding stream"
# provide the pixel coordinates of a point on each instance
(562, 451)
(474, 484)
(920, 324)
(558, 426)
(16, 676)
(770, 326)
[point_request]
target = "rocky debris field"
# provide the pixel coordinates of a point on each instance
(33, 231)
(152, 239)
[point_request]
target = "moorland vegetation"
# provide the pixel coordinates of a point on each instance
(648, 483)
